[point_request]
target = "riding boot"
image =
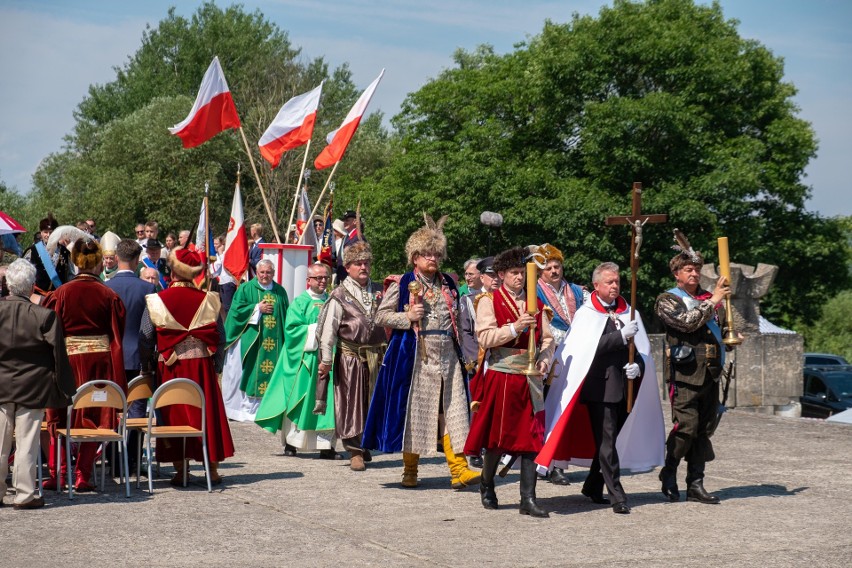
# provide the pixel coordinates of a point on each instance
(490, 463)
(668, 477)
(85, 464)
(528, 481)
(51, 483)
(409, 471)
(460, 475)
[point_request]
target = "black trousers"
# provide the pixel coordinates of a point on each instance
(606, 419)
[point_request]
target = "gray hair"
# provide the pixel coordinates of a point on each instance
(474, 261)
(20, 277)
(604, 267)
(266, 261)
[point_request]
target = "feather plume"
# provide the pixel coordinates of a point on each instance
(430, 223)
(684, 246)
(67, 233)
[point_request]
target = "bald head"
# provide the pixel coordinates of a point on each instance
(317, 278)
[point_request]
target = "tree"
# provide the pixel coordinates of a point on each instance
(553, 134)
(124, 166)
(832, 333)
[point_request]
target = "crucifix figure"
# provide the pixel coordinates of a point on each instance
(636, 221)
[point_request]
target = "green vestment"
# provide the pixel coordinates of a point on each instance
(261, 342)
(292, 388)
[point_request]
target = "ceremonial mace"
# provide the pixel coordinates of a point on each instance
(532, 308)
(414, 290)
(731, 337)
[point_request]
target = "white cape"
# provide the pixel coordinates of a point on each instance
(238, 406)
(641, 442)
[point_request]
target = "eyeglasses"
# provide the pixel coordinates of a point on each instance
(140, 232)
(318, 277)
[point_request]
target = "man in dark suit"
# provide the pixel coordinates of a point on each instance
(132, 291)
(255, 252)
(604, 389)
(34, 374)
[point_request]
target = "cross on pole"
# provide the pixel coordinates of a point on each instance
(636, 221)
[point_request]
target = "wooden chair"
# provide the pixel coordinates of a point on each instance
(140, 388)
(95, 394)
(178, 391)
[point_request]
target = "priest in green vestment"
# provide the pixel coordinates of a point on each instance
(254, 333)
(290, 398)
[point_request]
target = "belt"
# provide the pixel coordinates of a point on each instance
(79, 344)
(711, 351)
(443, 332)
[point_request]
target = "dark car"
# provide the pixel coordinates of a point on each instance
(822, 359)
(827, 390)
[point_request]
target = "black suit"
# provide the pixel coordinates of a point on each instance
(603, 393)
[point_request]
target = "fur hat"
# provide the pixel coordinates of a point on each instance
(109, 242)
(686, 254)
(86, 254)
(550, 252)
(49, 223)
(66, 233)
(512, 258)
(185, 264)
(428, 239)
(357, 252)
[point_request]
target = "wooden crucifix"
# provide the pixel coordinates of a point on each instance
(636, 221)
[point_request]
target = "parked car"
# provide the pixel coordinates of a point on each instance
(827, 390)
(820, 359)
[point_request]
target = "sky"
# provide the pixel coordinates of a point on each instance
(52, 50)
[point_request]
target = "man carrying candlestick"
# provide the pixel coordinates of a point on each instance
(509, 418)
(695, 356)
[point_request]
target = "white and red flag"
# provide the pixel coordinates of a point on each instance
(213, 111)
(292, 127)
(235, 259)
(339, 139)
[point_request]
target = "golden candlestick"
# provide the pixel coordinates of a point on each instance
(532, 308)
(731, 337)
(414, 290)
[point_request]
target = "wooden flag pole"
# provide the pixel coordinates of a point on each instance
(260, 185)
(321, 195)
(636, 221)
(298, 185)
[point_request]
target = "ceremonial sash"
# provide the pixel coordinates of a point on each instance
(711, 323)
(48, 265)
(150, 264)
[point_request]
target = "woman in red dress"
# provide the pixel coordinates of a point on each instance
(92, 318)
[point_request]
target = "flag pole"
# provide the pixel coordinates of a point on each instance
(207, 233)
(298, 185)
(319, 199)
(260, 185)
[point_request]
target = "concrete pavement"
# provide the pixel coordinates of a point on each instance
(785, 486)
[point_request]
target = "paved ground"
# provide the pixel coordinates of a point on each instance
(785, 485)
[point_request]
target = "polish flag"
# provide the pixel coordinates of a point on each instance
(213, 111)
(292, 127)
(235, 259)
(339, 139)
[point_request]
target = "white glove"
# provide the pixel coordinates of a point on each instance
(630, 329)
(632, 370)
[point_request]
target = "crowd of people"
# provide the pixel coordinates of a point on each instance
(415, 364)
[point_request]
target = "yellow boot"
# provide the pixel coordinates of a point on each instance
(409, 472)
(461, 475)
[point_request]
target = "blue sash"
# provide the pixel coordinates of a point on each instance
(150, 264)
(711, 325)
(48, 264)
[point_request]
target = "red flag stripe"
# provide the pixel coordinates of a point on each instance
(272, 151)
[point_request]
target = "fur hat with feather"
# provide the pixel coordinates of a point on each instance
(686, 254)
(68, 234)
(428, 239)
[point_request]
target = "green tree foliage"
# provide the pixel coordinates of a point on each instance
(552, 135)
(832, 333)
(121, 164)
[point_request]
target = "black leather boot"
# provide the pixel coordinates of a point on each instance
(528, 481)
(668, 477)
(490, 462)
(695, 480)
(696, 492)
(558, 477)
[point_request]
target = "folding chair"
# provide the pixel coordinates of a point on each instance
(94, 394)
(140, 388)
(178, 391)
(40, 463)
